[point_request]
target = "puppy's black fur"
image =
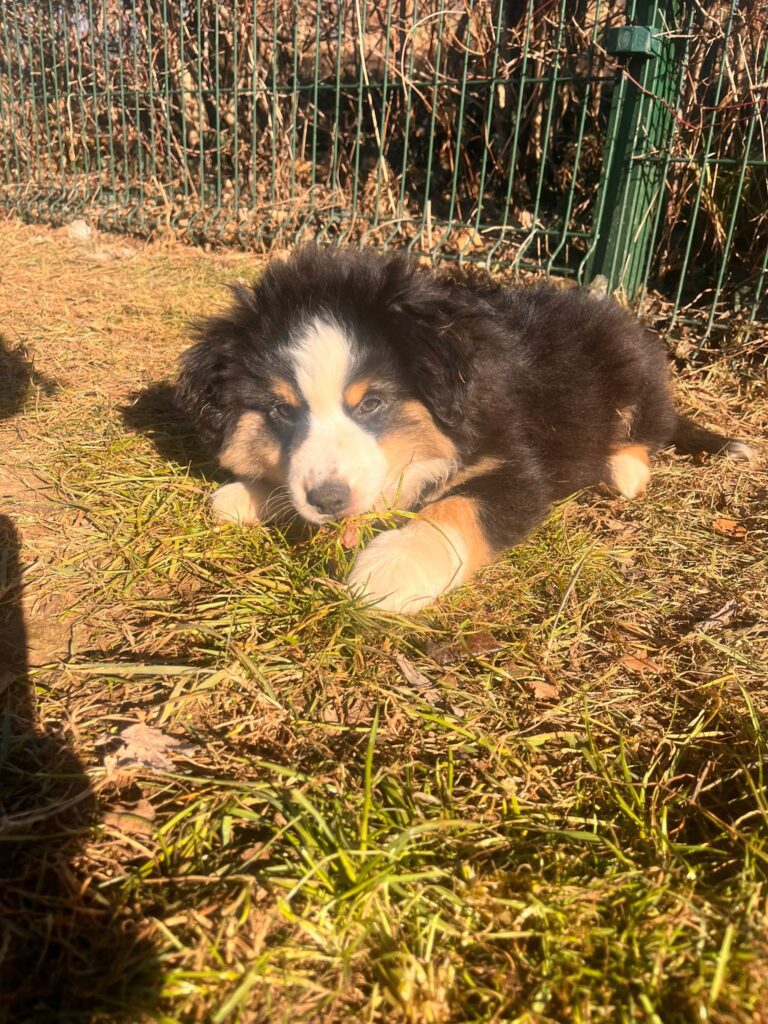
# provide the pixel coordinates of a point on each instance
(537, 387)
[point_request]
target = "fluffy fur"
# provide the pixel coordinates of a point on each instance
(344, 382)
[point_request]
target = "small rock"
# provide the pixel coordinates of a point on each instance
(599, 285)
(79, 231)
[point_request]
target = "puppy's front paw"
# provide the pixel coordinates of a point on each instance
(237, 503)
(406, 569)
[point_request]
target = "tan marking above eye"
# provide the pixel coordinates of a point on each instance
(283, 390)
(356, 392)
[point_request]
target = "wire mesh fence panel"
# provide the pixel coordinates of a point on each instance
(521, 133)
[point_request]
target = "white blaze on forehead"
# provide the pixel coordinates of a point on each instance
(335, 448)
(322, 363)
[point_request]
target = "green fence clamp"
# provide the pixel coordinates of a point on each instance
(640, 126)
(632, 41)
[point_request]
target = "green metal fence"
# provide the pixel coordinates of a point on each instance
(581, 138)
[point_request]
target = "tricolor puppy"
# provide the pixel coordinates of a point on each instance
(345, 382)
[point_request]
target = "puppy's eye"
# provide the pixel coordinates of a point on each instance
(369, 405)
(282, 412)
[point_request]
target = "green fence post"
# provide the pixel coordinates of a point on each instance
(639, 130)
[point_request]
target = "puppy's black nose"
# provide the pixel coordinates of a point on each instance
(329, 498)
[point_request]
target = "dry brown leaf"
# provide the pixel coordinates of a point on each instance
(722, 617)
(141, 746)
(476, 645)
(543, 690)
(133, 819)
(469, 238)
(426, 688)
(330, 713)
(412, 675)
(444, 654)
(616, 524)
(640, 662)
(730, 528)
(350, 536)
(259, 851)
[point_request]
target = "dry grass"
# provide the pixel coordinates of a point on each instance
(543, 800)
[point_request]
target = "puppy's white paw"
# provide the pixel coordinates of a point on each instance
(406, 569)
(237, 503)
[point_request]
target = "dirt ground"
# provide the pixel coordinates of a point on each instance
(86, 323)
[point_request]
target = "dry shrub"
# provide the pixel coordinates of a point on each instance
(475, 128)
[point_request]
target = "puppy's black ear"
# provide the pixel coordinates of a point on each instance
(431, 334)
(441, 371)
(207, 366)
(199, 391)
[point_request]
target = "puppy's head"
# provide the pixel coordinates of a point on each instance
(339, 375)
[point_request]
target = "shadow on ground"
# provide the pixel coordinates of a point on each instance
(66, 951)
(153, 412)
(18, 379)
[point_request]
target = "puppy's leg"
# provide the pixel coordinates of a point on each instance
(404, 570)
(629, 470)
(241, 502)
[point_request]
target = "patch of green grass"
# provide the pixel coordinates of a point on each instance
(542, 800)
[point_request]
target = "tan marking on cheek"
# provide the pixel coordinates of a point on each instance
(418, 438)
(630, 470)
(283, 390)
(461, 514)
(417, 454)
(433, 440)
(355, 393)
(251, 450)
(400, 449)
